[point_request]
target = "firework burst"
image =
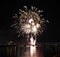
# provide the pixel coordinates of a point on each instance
(29, 22)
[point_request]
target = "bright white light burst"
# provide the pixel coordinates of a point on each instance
(29, 22)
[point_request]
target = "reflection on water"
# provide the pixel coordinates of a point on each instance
(31, 51)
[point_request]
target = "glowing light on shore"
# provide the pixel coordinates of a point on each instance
(33, 42)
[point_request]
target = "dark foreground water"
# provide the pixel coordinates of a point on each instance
(30, 51)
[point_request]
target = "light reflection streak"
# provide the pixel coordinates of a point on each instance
(32, 50)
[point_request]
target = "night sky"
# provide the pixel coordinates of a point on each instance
(10, 7)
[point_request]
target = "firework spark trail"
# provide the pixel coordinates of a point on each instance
(29, 22)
